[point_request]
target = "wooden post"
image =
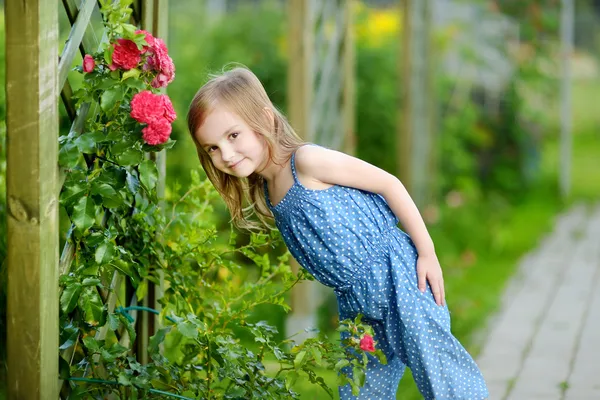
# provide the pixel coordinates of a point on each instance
(300, 95)
(349, 86)
(566, 140)
(32, 196)
(414, 127)
(160, 29)
(300, 69)
(154, 19)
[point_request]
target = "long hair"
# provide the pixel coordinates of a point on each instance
(241, 92)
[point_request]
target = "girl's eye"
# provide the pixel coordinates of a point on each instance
(234, 135)
(211, 149)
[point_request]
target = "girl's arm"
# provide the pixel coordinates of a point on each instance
(336, 168)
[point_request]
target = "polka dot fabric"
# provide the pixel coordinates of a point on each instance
(348, 239)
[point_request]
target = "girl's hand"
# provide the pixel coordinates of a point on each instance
(428, 269)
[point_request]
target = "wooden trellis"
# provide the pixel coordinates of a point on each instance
(36, 76)
(321, 99)
(321, 71)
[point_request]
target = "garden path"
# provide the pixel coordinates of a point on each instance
(545, 341)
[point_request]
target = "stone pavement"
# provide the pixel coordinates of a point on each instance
(544, 343)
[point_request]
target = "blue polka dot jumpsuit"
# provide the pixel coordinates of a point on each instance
(348, 239)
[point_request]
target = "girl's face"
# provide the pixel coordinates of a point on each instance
(232, 146)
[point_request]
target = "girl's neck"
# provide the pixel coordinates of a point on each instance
(271, 171)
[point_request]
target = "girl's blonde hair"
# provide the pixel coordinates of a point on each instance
(240, 91)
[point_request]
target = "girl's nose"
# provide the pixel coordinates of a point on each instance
(227, 154)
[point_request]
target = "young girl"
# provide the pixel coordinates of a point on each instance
(338, 216)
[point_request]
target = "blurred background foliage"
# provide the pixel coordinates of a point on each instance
(495, 187)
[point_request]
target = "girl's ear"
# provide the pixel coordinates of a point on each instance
(270, 117)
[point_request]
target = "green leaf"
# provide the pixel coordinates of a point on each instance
(316, 353)
(68, 155)
(358, 374)
(114, 176)
(105, 253)
(113, 322)
(86, 143)
(129, 326)
(106, 84)
(114, 351)
(381, 357)
(341, 364)
(72, 193)
(135, 84)
(133, 73)
(69, 297)
(91, 344)
(129, 29)
(158, 147)
(142, 290)
(110, 97)
(123, 266)
(79, 392)
(68, 336)
(97, 136)
(299, 360)
(123, 143)
(124, 379)
(131, 156)
(148, 174)
(290, 379)
(157, 339)
(133, 183)
(64, 369)
(188, 329)
(91, 270)
(108, 53)
(110, 197)
(84, 213)
(93, 309)
(160, 385)
(90, 282)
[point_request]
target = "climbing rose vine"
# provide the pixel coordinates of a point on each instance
(146, 57)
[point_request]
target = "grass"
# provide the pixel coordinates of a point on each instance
(474, 291)
(585, 173)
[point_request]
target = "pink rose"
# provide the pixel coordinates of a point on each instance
(88, 63)
(366, 343)
(157, 132)
(147, 107)
(160, 61)
(169, 114)
(157, 111)
(126, 55)
(161, 80)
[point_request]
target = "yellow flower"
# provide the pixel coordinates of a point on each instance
(375, 26)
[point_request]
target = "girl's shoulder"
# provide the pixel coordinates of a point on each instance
(307, 161)
(309, 157)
